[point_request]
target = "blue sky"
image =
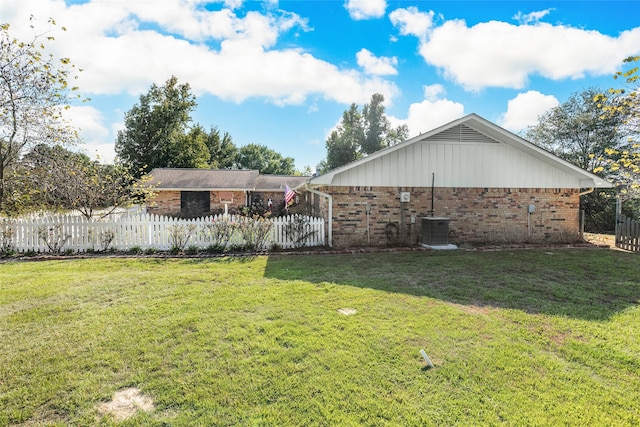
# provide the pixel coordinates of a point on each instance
(280, 73)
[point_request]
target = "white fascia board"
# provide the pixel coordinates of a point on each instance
(490, 129)
(509, 138)
(327, 178)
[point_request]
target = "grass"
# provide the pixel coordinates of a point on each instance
(517, 338)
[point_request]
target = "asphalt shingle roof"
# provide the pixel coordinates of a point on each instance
(278, 182)
(220, 179)
(203, 179)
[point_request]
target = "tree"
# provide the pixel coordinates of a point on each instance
(266, 160)
(360, 134)
(343, 144)
(155, 128)
(223, 154)
(58, 179)
(378, 131)
(577, 131)
(34, 91)
(189, 150)
(624, 163)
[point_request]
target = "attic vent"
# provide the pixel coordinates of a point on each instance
(462, 133)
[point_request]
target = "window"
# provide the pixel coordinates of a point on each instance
(226, 196)
(194, 202)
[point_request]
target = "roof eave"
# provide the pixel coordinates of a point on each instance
(200, 189)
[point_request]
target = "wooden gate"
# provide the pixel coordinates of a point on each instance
(628, 234)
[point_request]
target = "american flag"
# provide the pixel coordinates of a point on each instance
(289, 194)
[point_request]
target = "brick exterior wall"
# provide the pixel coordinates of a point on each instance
(168, 202)
(165, 203)
(277, 200)
(476, 214)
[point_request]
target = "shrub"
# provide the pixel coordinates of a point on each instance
(7, 234)
(275, 248)
(192, 250)
(255, 232)
(179, 235)
(215, 249)
(298, 231)
(219, 233)
(53, 236)
(106, 237)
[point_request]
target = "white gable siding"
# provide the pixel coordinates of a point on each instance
(457, 164)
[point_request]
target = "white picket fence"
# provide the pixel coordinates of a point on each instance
(145, 231)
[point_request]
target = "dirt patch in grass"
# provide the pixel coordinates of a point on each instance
(126, 403)
(601, 239)
(473, 309)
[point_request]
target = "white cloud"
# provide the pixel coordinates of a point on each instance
(531, 18)
(365, 9)
(412, 22)
(233, 4)
(122, 49)
(432, 92)
(523, 110)
(430, 113)
(93, 132)
(378, 66)
(498, 54)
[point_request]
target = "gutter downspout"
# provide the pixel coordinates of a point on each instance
(330, 219)
(582, 215)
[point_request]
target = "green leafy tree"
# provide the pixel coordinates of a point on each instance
(155, 129)
(343, 144)
(624, 100)
(305, 171)
(378, 131)
(266, 160)
(34, 92)
(361, 133)
(57, 179)
(624, 163)
(189, 150)
(223, 153)
(577, 131)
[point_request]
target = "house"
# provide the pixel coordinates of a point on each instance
(199, 192)
(490, 184)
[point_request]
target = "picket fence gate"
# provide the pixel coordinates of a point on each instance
(145, 231)
(628, 234)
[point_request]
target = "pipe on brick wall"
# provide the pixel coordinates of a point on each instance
(330, 214)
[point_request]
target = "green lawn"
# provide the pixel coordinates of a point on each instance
(544, 337)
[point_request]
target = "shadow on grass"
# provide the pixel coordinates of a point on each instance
(578, 283)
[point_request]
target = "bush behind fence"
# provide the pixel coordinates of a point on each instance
(152, 232)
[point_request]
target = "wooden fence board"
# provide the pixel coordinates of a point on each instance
(628, 234)
(146, 231)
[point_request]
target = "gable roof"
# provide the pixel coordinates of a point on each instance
(467, 152)
(278, 182)
(203, 179)
(184, 179)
